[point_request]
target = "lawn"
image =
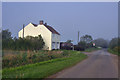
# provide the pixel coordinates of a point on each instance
(45, 68)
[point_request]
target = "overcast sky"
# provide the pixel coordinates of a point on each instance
(98, 19)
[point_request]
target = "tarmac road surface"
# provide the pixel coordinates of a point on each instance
(99, 64)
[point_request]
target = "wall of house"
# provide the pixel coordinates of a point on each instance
(55, 41)
(30, 30)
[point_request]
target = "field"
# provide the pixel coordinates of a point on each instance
(45, 68)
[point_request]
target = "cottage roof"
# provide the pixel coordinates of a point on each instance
(35, 24)
(49, 28)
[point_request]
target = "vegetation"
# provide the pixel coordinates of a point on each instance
(45, 68)
(114, 46)
(113, 51)
(69, 41)
(85, 42)
(100, 42)
(19, 58)
(6, 34)
(113, 43)
(86, 38)
(82, 44)
(66, 45)
(91, 49)
(27, 43)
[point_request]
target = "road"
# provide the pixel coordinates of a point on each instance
(99, 64)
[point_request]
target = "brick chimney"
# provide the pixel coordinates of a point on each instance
(41, 22)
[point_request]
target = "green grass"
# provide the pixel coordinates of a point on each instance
(45, 68)
(91, 49)
(113, 52)
(20, 58)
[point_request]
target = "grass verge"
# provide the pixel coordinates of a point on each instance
(43, 69)
(113, 52)
(91, 49)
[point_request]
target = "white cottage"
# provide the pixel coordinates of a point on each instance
(50, 36)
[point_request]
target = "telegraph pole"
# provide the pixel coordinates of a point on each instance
(78, 36)
(23, 31)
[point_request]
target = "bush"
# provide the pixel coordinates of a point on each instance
(79, 48)
(28, 43)
(113, 43)
(66, 48)
(114, 46)
(117, 49)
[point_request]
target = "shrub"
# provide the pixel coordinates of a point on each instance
(79, 48)
(28, 43)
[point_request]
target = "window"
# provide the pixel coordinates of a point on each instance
(58, 46)
(53, 45)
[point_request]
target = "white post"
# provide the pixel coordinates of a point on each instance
(73, 47)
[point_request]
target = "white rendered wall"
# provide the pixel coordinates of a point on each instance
(30, 30)
(56, 39)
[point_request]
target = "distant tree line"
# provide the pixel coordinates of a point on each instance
(27, 43)
(100, 42)
(87, 41)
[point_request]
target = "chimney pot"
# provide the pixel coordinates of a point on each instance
(45, 23)
(41, 22)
